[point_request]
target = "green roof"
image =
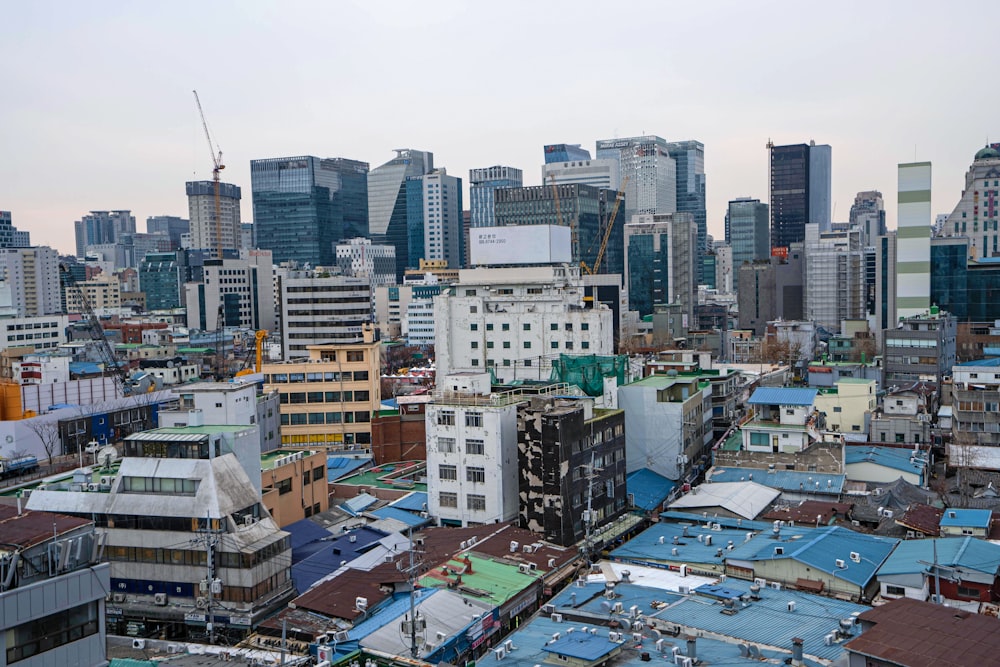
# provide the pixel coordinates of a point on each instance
(381, 476)
(734, 442)
(495, 581)
(196, 350)
(208, 429)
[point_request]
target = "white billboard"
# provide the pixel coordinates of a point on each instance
(520, 244)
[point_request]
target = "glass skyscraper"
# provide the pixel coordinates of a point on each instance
(690, 159)
(10, 236)
(660, 263)
(387, 205)
(304, 205)
(800, 191)
(652, 173)
(747, 233)
(565, 153)
(482, 183)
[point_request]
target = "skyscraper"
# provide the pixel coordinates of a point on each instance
(601, 173)
(913, 240)
(33, 276)
(565, 153)
(304, 205)
(101, 227)
(171, 226)
(652, 173)
(800, 191)
(747, 232)
(387, 201)
(482, 183)
(868, 213)
(10, 236)
(835, 265)
(977, 214)
(660, 262)
(690, 159)
(434, 219)
(207, 233)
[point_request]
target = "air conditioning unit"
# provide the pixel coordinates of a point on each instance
(548, 608)
(840, 563)
(106, 480)
(619, 608)
(424, 515)
(201, 602)
(523, 567)
(532, 566)
(248, 520)
(93, 487)
(341, 636)
(855, 556)
(775, 585)
(352, 539)
(684, 590)
(160, 599)
(175, 648)
(500, 652)
(684, 661)
(138, 643)
(118, 597)
(855, 523)
(361, 604)
(556, 618)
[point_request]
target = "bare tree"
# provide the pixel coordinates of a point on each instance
(47, 432)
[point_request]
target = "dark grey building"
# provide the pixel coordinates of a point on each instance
(800, 191)
(10, 236)
(571, 457)
(171, 226)
(304, 205)
(770, 290)
(690, 159)
(920, 349)
(387, 214)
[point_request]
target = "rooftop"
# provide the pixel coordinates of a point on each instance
(990, 363)
(969, 553)
(28, 528)
(889, 457)
(784, 480)
(390, 476)
(648, 488)
(783, 396)
(745, 499)
(965, 517)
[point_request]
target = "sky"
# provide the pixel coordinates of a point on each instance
(97, 113)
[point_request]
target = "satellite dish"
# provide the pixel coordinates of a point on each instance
(106, 457)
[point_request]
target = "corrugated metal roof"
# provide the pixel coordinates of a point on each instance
(414, 502)
(154, 436)
(745, 499)
(648, 488)
(912, 556)
(981, 362)
(358, 503)
(785, 480)
(965, 517)
(409, 518)
(582, 646)
(889, 457)
(783, 396)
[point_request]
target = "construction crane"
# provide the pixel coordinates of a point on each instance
(619, 196)
(259, 349)
(217, 166)
(96, 331)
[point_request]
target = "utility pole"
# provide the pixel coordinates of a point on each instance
(588, 520)
(211, 585)
(411, 578)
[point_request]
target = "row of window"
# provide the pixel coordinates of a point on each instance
(472, 474)
(320, 418)
(327, 376)
(527, 345)
(526, 326)
(298, 398)
(474, 502)
(447, 418)
(52, 631)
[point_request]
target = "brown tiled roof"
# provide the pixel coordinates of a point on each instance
(922, 518)
(335, 598)
(441, 544)
(30, 528)
(921, 634)
(807, 512)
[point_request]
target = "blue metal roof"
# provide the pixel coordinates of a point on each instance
(303, 533)
(889, 457)
(649, 489)
(321, 558)
(409, 518)
(725, 522)
(414, 502)
(343, 466)
(85, 367)
(981, 362)
(969, 553)
(967, 518)
(582, 646)
(588, 598)
(821, 548)
(785, 480)
(358, 503)
(783, 396)
(768, 621)
(647, 548)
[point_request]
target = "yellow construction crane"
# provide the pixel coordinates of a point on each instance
(619, 196)
(217, 166)
(259, 348)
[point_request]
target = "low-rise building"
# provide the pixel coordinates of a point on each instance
(783, 420)
(848, 406)
(977, 523)
(968, 570)
(883, 465)
(294, 484)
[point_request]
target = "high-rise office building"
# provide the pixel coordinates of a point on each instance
(434, 219)
(10, 236)
(868, 214)
(102, 227)
(661, 263)
(835, 265)
(651, 172)
(321, 309)
(913, 240)
(747, 233)
(387, 201)
(302, 206)
(482, 183)
(33, 276)
(977, 214)
(601, 173)
(209, 232)
(171, 226)
(582, 208)
(233, 293)
(690, 159)
(565, 153)
(360, 258)
(800, 191)
(160, 280)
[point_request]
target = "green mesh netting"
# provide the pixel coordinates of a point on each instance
(588, 371)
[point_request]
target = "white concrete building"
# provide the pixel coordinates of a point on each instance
(40, 369)
(913, 241)
(243, 288)
(361, 258)
(46, 332)
(782, 420)
(835, 269)
(977, 214)
(318, 309)
(205, 228)
(441, 203)
(418, 327)
(33, 275)
(103, 293)
(600, 173)
(515, 321)
(472, 451)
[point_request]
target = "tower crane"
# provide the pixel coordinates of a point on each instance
(619, 196)
(217, 166)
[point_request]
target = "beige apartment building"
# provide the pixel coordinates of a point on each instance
(328, 399)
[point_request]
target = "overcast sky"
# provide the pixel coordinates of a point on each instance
(96, 110)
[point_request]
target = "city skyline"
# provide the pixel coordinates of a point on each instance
(863, 79)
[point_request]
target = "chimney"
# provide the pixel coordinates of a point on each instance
(692, 646)
(468, 564)
(797, 651)
(368, 332)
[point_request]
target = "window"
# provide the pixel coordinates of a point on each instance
(526, 326)
(475, 447)
(569, 345)
(789, 411)
(319, 473)
(489, 345)
(489, 326)
(284, 486)
(446, 418)
(506, 345)
(759, 439)
(475, 362)
(966, 592)
(476, 475)
(527, 344)
(448, 499)
(585, 345)
(475, 502)
(554, 326)
(837, 408)
(446, 445)
(49, 632)
(473, 418)
(448, 472)
(554, 345)
(473, 327)
(584, 326)
(505, 326)
(474, 345)
(569, 326)
(473, 309)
